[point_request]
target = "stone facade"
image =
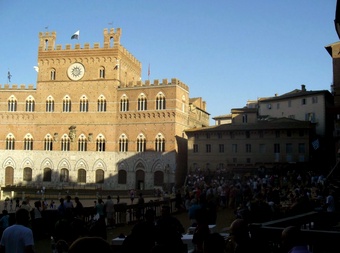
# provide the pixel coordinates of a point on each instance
(91, 121)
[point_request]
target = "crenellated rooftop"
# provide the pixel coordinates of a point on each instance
(156, 82)
(111, 42)
(17, 87)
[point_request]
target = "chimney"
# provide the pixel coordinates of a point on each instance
(303, 87)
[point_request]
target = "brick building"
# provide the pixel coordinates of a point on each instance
(91, 121)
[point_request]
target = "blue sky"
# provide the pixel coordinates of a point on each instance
(226, 51)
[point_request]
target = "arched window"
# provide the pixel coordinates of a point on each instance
(159, 143)
(82, 143)
(142, 103)
(27, 174)
(64, 175)
(122, 176)
(81, 176)
(100, 143)
(123, 143)
(67, 104)
(124, 103)
(28, 142)
(53, 74)
(30, 103)
(49, 104)
(160, 101)
(101, 72)
(12, 104)
(48, 143)
(101, 104)
(10, 141)
(84, 104)
(99, 176)
(47, 177)
(141, 143)
(158, 179)
(65, 143)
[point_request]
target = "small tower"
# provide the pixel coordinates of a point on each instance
(47, 40)
(112, 35)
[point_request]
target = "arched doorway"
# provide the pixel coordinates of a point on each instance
(9, 176)
(140, 177)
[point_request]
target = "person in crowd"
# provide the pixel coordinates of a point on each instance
(110, 212)
(4, 221)
(132, 195)
(61, 208)
(69, 207)
(169, 230)
(239, 237)
(37, 220)
(18, 237)
(143, 235)
(202, 229)
(293, 240)
(194, 206)
(140, 207)
(78, 209)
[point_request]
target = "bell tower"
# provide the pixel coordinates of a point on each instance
(47, 41)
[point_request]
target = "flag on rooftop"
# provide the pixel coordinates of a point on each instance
(9, 76)
(75, 35)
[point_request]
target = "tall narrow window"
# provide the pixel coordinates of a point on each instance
(12, 104)
(100, 143)
(195, 148)
(64, 175)
(123, 143)
(28, 142)
(248, 148)
(101, 104)
(65, 143)
(48, 143)
(234, 148)
(50, 104)
(52, 75)
(122, 177)
(47, 177)
(99, 176)
(84, 104)
(66, 104)
(208, 148)
(82, 143)
(101, 72)
(160, 101)
(244, 118)
(81, 176)
(124, 104)
(27, 175)
(159, 143)
(30, 104)
(10, 141)
(142, 103)
(141, 143)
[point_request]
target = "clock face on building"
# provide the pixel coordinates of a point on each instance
(76, 71)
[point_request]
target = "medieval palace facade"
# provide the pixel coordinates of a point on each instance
(90, 120)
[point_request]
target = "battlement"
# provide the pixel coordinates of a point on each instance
(16, 87)
(111, 42)
(156, 82)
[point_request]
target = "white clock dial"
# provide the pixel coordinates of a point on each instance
(76, 71)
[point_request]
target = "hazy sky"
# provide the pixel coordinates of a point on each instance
(226, 51)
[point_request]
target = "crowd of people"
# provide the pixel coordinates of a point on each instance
(255, 197)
